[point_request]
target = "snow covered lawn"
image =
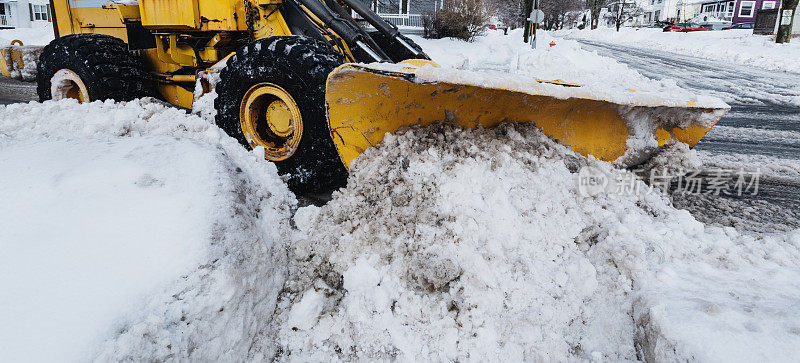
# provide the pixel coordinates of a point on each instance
(565, 61)
(737, 46)
(138, 232)
(28, 36)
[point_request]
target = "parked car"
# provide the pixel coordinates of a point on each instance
(502, 27)
(741, 26)
(686, 27)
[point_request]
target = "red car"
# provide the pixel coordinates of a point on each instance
(685, 28)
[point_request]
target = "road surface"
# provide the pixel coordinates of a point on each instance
(12, 91)
(761, 132)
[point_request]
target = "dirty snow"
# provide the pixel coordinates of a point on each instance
(735, 45)
(455, 244)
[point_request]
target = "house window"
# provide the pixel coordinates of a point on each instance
(39, 12)
(657, 15)
(768, 5)
(746, 9)
(708, 8)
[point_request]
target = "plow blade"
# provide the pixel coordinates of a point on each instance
(16, 57)
(365, 102)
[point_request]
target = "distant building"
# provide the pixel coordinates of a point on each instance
(635, 18)
(659, 11)
(737, 11)
(25, 14)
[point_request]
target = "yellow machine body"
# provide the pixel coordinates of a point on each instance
(169, 21)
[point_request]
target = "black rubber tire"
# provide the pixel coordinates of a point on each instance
(299, 65)
(106, 66)
(395, 51)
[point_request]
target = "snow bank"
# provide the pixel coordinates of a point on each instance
(454, 244)
(135, 231)
(28, 36)
(737, 46)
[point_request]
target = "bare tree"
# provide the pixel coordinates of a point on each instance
(785, 30)
(510, 12)
(594, 7)
(622, 11)
(555, 12)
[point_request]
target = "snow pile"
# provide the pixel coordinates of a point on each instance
(735, 45)
(453, 244)
(602, 77)
(137, 232)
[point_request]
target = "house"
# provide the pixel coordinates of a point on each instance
(25, 14)
(659, 11)
(737, 11)
(635, 13)
(688, 10)
(404, 13)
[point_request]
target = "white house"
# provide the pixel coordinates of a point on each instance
(404, 13)
(688, 10)
(660, 10)
(25, 14)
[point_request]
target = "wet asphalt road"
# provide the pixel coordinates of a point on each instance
(761, 130)
(12, 91)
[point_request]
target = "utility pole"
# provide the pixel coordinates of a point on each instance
(534, 24)
(534, 17)
(785, 20)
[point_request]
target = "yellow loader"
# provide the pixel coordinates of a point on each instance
(314, 86)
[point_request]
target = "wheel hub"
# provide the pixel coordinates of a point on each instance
(67, 84)
(270, 117)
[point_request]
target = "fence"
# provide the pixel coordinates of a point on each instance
(411, 20)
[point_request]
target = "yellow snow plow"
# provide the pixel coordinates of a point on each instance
(313, 83)
(365, 103)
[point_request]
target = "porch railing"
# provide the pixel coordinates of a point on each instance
(410, 20)
(723, 15)
(5, 19)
